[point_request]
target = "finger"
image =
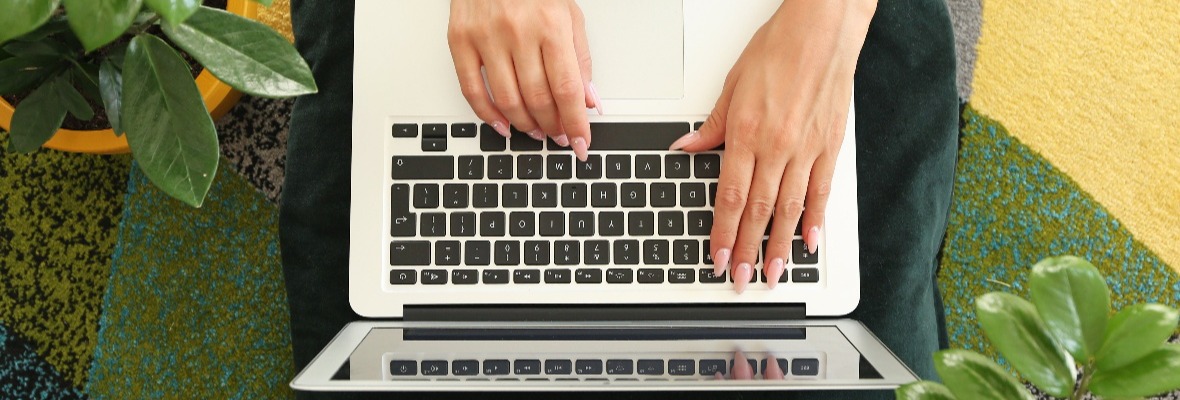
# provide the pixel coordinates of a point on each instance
(712, 132)
(741, 367)
(534, 88)
(790, 203)
(585, 66)
(760, 205)
(772, 370)
(733, 187)
(506, 92)
(565, 82)
(471, 82)
(819, 187)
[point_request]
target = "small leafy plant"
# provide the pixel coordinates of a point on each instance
(71, 56)
(1066, 324)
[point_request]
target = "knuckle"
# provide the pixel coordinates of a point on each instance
(539, 99)
(822, 189)
(760, 209)
(731, 197)
(744, 124)
(508, 101)
(471, 92)
(568, 90)
(790, 205)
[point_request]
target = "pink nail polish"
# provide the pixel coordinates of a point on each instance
(741, 277)
(721, 262)
(741, 367)
(687, 139)
(563, 141)
(597, 100)
(774, 271)
(537, 135)
(772, 370)
(813, 239)
(502, 129)
(581, 148)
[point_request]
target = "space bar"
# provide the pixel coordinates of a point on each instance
(635, 135)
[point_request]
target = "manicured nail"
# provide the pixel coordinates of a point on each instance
(772, 370)
(813, 239)
(741, 367)
(774, 271)
(537, 135)
(502, 129)
(685, 140)
(594, 95)
(741, 277)
(721, 262)
(563, 141)
(581, 148)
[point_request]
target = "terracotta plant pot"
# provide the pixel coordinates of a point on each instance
(219, 99)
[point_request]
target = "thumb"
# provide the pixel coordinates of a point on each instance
(711, 134)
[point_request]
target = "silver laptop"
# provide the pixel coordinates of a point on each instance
(494, 264)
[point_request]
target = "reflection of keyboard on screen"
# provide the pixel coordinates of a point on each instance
(468, 207)
(695, 366)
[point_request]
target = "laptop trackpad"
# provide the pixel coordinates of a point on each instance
(637, 47)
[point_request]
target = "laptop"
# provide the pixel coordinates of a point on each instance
(486, 264)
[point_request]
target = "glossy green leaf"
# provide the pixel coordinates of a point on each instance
(98, 22)
(1014, 328)
(43, 47)
(110, 83)
(73, 101)
(37, 118)
(971, 376)
(170, 132)
(85, 77)
(54, 26)
(1073, 300)
(245, 54)
(1155, 373)
(924, 390)
(23, 16)
(21, 73)
(174, 11)
(1134, 332)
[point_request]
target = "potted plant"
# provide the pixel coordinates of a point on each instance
(119, 59)
(1066, 325)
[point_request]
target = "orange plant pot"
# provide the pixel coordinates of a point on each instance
(219, 99)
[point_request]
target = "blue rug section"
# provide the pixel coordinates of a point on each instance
(196, 306)
(25, 375)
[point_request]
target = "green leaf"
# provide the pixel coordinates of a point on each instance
(1012, 325)
(264, 2)
(174, 11)
(1134, 332)
(55, 25)
(245, 54)
(37, 118)
(85, 76)
(1074, 301)
(110, 82)
(1155, 373)
(22, 73)
(71, 99)
(43, 47)
(23, 16)
(170, 132)
(971, 376)
(924, 390)
(98, 22)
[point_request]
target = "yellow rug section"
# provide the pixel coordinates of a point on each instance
(1094, 86)
(278, 17)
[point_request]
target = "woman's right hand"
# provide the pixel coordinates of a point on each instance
(537, 62)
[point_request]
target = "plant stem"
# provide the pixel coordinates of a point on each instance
(1080, 392)
(138, 29)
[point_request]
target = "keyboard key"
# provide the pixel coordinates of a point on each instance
(485, 195)
(650, 275)
(434, 277)
(800, 254)
(567, 252)
(435, 368)
(522, 224)
(610, 223)
(403, 367)
(711, 367)
(404, 225)
(545, 195)
(671, 223)
(490, 140)
(434, 131)
(496, 367)
(399, 205)
(626, 252)
(530, 166)
(681, 275)
(573, 195)
(446, 252)
(681, 367)
(597, 252)
(526, 276)
(463, 224)
(588, 367)
(635, 135)
(455, 195)
(650, 367)
(464, 276)
(581, 224)
(403, 277)
(465, 367)
(558, 367)
(647, 166)
(551, 223)
(587, 275)
(804, 275)
(634, 195)
(706, 276)
(782, 365)
(423, 167)
(491, 224)
(559, 166)
(618, 166)
(663, 195)
(707, 166)
(753, 365)
(429, 144)
(527, 367)
(706, 253)
(507, 252)
(805, 367)
(516, 195)
(426, 195)
(557, 276)
(408, 253)
(641, 223)
(713, 194)
(536, 252)
(495, 276)
(434, 225)
(620, 367)
(477, 252)
(466, 130)
(591, 169)
(500, 167)
(405, 130)
(692, 194)
(619, 275)
(685, 252)
(522, 142)
(676, 166)
(655, 252)
(603, 195)
(471, 167)
(700, 223)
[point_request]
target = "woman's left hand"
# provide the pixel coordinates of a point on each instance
(781, 115)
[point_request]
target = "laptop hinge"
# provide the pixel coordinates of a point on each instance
(578, 312)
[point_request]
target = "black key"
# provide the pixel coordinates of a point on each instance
(713, 194)
(707, 253)
(530, 166)
(403, 367)
(706, 276)
(597, 252)
(805, 367)
(633, 195)
(650, 367)
(692, 194)
(491, 223)
(404, 223)
(465, 367)
(446, 252)
(434, 131)
(545, 195)
(707, 166)
(587, 275)
(507, 253)
(522, 142)
(800, 255)
(650, 275)
(489, 139)
(434, 277)
(700, 223)
(536, 252)
(526, 276)
(471, 167)
(799, 228)
(610, 223)
(619, 275)
(663, 195)
(423, 167)
(557, 276)
(559, 166)
(696, 126)
(496, 367)
(500, 167)
(455, 195)
(429, 144)
(620, 367)
(635, 135)
(426, 195)
(435, 368)
(641, 223)
(655, 252)
(516, 195)
(495, 276)
(413, 252)
(403, 277)
(626, 252)
(527, 367)
(485, 195)
(806, 275)
(685, 252)
(671, 223)
(711, 367)
(591, 169)
(434, 225)
(522, 224)
(603, 195)
(558, 367)
(477, 252)
(405, 130)
(676, 166)
(581, 224)
(588, 367)
(463, 130)
(573, 195)
(681, 367)
(464, 276)
(647, 166)
(782, 365)
(681, 275)
(618, 166)
(551, 223)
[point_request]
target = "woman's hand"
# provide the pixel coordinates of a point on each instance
(537, 63)
(781, 115)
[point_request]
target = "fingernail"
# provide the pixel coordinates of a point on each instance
(774, 271)
(594, 94)
(563, 141)
(741, 367)
(502, 129)
(813, 239)
(581, 148)
(685, 140)
(772, 370)
(741, 277)
(721, 262)
(537, 135)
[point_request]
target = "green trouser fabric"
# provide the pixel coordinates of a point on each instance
(906, 128)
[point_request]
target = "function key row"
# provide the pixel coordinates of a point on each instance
(557, 167)
(651, 367)
(582, 276)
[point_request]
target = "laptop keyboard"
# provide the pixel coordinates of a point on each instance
(469, 207)
(693, 367)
